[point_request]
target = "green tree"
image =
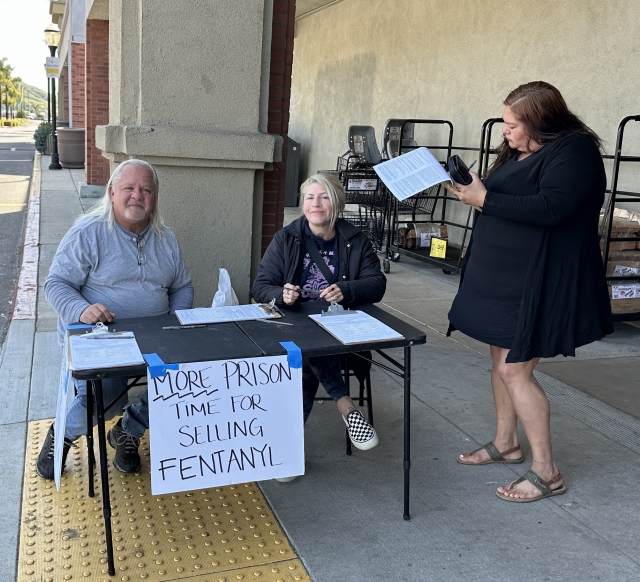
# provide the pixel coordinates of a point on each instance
(9, 86)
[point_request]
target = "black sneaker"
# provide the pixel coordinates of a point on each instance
(362, 434)
(127, 459)
(44, 464)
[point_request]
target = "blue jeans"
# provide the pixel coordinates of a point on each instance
(135, 419)
(322, 369)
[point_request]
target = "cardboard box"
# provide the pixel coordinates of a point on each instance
(625, 296)
(420, 235)
(625, 256)
(619, 268)
(622, 228)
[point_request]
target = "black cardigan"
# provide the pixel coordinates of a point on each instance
(565, 303)
(359, 276)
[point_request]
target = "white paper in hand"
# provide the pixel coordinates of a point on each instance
(411, 173)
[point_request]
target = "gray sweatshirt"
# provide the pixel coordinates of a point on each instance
(133, 276)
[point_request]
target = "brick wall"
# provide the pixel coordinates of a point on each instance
(96, 99)
(62, 105)
(77, 84)
(284, 12)
(63, 112)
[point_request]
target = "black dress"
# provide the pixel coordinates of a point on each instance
(533, 280)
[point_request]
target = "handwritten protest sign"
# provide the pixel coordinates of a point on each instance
(225, 422)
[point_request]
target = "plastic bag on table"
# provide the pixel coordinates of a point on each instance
(225, 295)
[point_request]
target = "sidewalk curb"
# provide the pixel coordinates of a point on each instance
(26, 296)
(16, 364)
(25, 303)
(27, 289)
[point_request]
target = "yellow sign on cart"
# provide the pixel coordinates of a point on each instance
(438, 248)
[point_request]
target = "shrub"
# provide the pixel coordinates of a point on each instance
(40, 135)
(21, 114)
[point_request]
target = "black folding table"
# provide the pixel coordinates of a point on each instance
(247, 339)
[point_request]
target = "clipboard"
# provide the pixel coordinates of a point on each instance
(356, 327)
(228, 313)
(104, 350)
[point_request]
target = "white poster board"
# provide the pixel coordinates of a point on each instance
(65, 398)
(225, 422)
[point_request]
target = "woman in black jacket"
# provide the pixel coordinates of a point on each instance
(533, 284)
(349, 274)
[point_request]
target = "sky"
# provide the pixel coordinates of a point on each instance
(22, 38)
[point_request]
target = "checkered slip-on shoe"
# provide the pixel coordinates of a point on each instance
(363, 436)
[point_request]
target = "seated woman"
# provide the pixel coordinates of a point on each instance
(320, 257)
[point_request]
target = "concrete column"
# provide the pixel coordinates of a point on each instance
(189, 93)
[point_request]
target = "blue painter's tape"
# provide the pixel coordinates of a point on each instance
(157, 367)
(294, 355)
(80, 326)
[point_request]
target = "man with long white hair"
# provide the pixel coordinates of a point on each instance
(116, 260)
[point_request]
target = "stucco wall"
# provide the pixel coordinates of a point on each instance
(193, 108)
(364, 61)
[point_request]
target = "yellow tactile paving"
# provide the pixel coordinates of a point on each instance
(218, 535)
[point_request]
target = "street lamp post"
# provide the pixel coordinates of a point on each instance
(52, 37)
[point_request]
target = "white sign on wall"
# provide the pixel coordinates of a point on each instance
(225, 422)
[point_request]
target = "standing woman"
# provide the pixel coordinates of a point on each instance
(533, 284)
(321, 257)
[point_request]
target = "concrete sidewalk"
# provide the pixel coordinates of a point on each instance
(344, 517)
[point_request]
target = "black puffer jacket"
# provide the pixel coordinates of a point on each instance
(359, 276)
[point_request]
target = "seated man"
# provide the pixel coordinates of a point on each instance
(118, 259)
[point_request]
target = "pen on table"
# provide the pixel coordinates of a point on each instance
(105, 337)
(276, 322)
(183, 326)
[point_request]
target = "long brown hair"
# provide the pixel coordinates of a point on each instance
(545, 116)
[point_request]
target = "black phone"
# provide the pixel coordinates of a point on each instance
(458, 171)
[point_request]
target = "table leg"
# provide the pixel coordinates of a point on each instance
(104, 477)
(91, 460)
(346, 381)
(407, 428)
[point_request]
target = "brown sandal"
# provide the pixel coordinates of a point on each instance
(494, 453)
(540, 483)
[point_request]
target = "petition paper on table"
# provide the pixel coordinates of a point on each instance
(356, 327)
(226, 313)
(93, 353)
(411, 173)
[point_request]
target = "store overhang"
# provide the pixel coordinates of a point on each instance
(56, 9)
(97, 9)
